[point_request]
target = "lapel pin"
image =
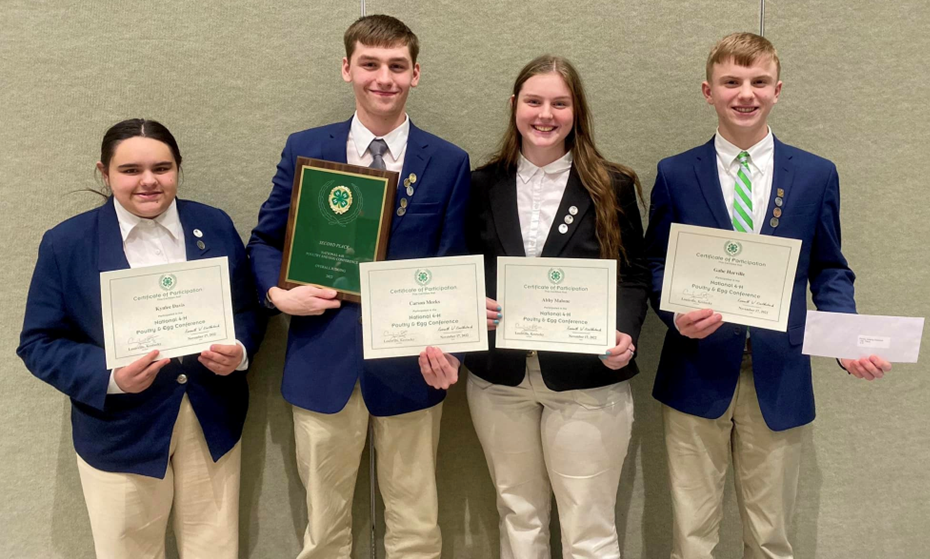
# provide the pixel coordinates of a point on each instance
(573, 210)
(774, 222)
(401, 211)
(403, 202)
(569, 219)
(413, 178)
(779, 201)
(200, 245)
(780, 192)
(409, 190)
(407, 183)
(777, 212)
(198, 233)
(563, 229)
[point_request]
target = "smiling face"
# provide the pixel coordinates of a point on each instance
(544, 115)
(142, 175)
(743, 97)
(381, 78)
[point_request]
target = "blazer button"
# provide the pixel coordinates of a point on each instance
(737, 331)
(182, 379)
(530, 353)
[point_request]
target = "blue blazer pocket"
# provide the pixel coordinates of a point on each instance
(424, 208)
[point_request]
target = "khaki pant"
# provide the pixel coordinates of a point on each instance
(538, 442)
(129, 512)
(329, 448)
(766, 466)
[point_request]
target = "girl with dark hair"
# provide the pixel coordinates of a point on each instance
(158, 434)
(556, 422)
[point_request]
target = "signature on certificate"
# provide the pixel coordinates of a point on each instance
(142, 342)
(396, 337)
(456, 332)
(754, 306)
(528, 330)
(698, 296)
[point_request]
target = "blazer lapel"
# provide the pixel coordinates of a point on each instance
(575, 195)
(110, 254)
(416, 159)
(705, 167)
(782, 180)
(197, 247)
(502, 197)
(335, 149)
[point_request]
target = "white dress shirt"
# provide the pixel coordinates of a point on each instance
(539, 193)
(761, 165)
(360, 138)
(149, 242)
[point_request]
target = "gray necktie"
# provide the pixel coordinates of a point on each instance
(377, 147)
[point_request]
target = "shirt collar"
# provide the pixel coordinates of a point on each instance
(168, 220)
(527, 170)
(760, 155)
(396, 139)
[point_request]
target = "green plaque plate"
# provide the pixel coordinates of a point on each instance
(340, 215)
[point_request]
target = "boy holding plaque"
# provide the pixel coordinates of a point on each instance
(725, 390)
(157, 436)
(334, 392)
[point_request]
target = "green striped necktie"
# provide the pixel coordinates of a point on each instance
(742, 201)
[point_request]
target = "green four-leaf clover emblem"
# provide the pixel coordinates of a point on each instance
(340, 198)
(733, 248)
(167, 281)
(423, 276)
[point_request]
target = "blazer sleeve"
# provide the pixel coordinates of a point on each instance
(52, 345)
(633, 287)
(831, 280)
(266, 244)
(661, 216)
(452, 236)
(249, 321)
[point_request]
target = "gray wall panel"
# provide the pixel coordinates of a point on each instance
(855, 91)
(232, 79)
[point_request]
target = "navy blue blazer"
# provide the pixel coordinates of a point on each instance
(699, 377)
(324, 353)
(62, 344)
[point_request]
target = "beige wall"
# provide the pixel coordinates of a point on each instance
(232, 79)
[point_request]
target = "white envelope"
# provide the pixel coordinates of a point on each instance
(851, 336)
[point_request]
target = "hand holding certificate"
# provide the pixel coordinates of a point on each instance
(557, 304)
(408, 305)
(178, 309)
(746, 278)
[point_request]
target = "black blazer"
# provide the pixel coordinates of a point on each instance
(492, 228)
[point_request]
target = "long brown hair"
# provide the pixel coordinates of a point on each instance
(593, 169)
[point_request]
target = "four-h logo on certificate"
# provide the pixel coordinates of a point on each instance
(424, 276)
(340, 216)
(168, 282)
(733, 248)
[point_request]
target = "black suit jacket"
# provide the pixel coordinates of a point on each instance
(493, 229)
